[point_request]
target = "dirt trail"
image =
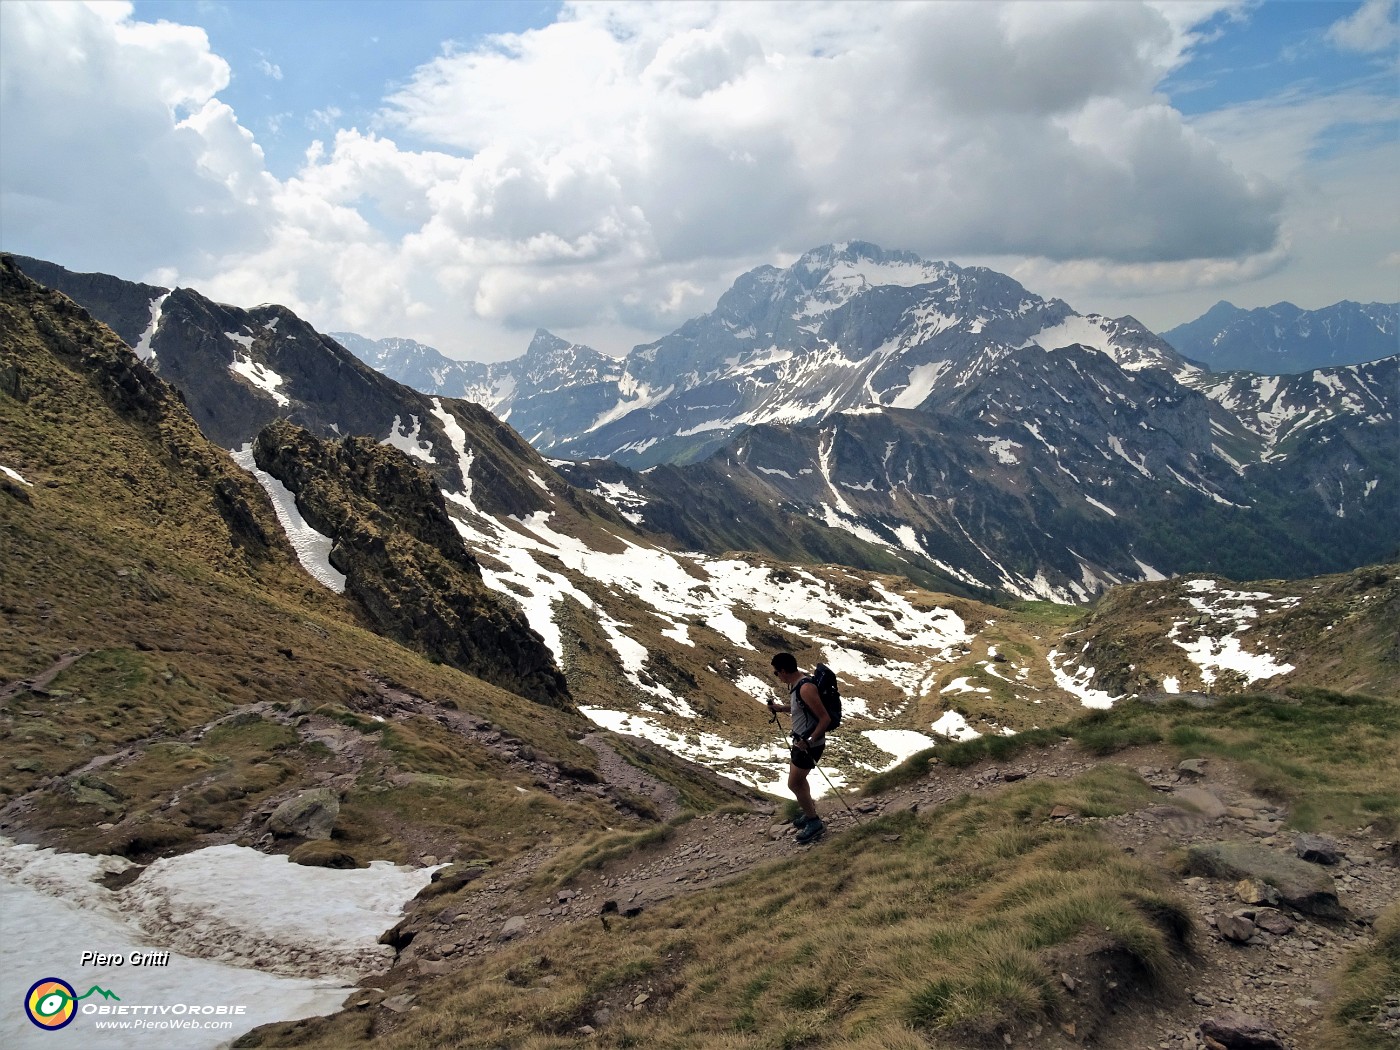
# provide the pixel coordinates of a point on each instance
(41, 681)
(1280, 979)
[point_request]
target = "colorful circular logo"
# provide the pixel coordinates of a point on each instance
(51, 1003)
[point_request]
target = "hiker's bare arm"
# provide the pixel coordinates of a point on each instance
(813, 699)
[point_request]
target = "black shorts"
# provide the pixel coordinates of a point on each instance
(805, 756)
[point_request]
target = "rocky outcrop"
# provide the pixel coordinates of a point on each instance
(310, 815)
(1299, 884)
(404, 562)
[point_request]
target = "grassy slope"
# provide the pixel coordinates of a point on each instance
(1342, 632)
(117, 550)
(943, 925)
(943, 929)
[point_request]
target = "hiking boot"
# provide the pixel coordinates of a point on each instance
(800, 821)
(814, 829)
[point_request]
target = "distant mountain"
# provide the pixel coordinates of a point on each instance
(874, 409)
(414, 364)
(845, 327)
(550, 392)
(1282, 339)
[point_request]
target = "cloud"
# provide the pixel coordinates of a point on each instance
(653, 136)
(1372, 28)
(613, 171)
(1026, 128)
(117, 154)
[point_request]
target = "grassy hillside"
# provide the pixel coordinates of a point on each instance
(169, 674)
(944, 928)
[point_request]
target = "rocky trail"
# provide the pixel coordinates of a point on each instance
(1257, 974)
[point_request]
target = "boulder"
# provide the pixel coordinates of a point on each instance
(1252, 891)
(1273, 921)
(1236, 927)
(310, 815)
(1201, 799)
(1236, 1031)
(1300, 885)
(451, 879)
(321, 854)
(1318, 849)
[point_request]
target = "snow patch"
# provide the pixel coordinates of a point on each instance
(313, 549)
(227, 914)
(262, 377)
(405, 440)
(954, 726)
(1078, 683)
(143, 347)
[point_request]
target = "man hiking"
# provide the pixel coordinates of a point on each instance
(810, 720)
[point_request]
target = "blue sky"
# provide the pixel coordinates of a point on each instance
(293, 64)
(1275, 47)
(463, 173)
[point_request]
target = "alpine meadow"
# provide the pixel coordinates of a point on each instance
(425, 429)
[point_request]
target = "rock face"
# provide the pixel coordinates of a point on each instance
(403, 560)
(1299, 884)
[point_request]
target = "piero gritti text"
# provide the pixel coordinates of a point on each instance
(130, 959)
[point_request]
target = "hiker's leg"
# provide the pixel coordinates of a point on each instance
(801, 790)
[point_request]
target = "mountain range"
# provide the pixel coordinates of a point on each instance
(1282, 339)
(421, 642)
(950, 415)
(870, 408)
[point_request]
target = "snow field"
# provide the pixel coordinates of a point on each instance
(290, 939)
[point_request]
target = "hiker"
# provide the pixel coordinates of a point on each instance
(810, 721)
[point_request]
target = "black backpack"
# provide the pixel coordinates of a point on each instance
(824, 678)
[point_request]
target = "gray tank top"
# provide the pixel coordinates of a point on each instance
(803, 721)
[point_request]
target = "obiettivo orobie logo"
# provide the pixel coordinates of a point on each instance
(52, 1003)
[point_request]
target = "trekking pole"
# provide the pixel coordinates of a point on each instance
(817, 765)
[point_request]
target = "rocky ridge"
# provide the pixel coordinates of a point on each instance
(403, 560)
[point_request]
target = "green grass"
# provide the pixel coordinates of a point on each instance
(1369, 979)
(1329, 756)
(950, 930)
(1046, 614)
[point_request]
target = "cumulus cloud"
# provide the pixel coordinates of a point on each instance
(626, 136)
(117, 154)
(614, 170)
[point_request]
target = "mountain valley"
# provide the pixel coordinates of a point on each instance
(259, 594)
